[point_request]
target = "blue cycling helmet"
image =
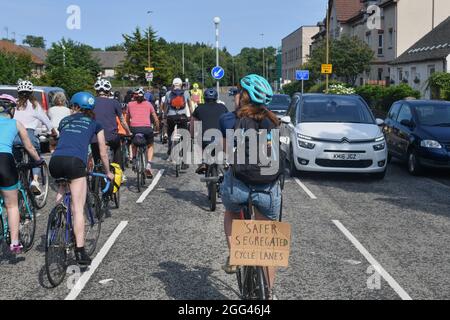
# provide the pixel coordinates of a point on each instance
(258, 88)
(84, 100)
(211, 94)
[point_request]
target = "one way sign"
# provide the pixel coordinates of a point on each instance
(218, 73)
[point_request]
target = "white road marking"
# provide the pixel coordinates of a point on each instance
(106, 281)
(308, 192)
(394, 285)
(84, 279)
(151, 187)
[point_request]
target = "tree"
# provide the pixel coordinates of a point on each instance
(72, 79)
(14, 67)
(117, 47)
(33, 41)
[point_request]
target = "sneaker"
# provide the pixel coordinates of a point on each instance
(35, 188)
(228, 268)
(82, 258)
(148, 173)
(16, 249)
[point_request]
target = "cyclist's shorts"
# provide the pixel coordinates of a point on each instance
(146, 131)
(235, 194)
(9, 178)
(67, 168)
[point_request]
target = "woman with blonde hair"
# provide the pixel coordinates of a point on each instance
(56, 113)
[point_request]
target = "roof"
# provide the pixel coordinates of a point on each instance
(433, 46)
(38, 52)
(10, 47)
(346, 9)
(109, 59)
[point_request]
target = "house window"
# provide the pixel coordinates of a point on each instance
(431, 69)
(380, 44)
(400, 74)
(369, 39)
(391, 38)
(380, 74)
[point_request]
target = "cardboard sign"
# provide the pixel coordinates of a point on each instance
(327, 69)
(260, 243)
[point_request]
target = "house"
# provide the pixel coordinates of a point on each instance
(296, 48)
(38, 60)
(428, 55)
(401, 24)
(109, 61)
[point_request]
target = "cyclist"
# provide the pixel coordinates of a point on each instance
(161, 115)
(149, 95)
(106, 110)
(9, 178)
(254, 96)
(176, 105)
(209, 115)
(30, 113)
(123, 135)
(141, 113)
(197, 96)
(58, 112)
(69, 161)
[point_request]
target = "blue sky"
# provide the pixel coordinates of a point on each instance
(103, 22)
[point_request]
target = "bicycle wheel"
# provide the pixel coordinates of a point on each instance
(92, 222)
(27, 228)
(143, 164)
(212, 189)
(262, 287)
(2, 230)
(41, 200)
(55, 246)
(138, 169)
(116, 197)
(246, 277)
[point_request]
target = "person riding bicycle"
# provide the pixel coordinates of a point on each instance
(9, 177)
(244, 180)
(30, 113)
(141, 113)
(197, 96)
(209, 115)
(161, 115)
(106, 110)
(177, 104)
(69, 161)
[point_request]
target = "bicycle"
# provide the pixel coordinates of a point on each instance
(96, 184)
(125, 143)
(141, 160)
(253, 281)
(213, 179)
(60, 237)
(179, 159)
(27, 227)
(23, 159)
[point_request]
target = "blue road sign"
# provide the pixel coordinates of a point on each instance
(218, 73)
(302, 75)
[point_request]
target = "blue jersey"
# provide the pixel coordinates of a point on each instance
(76, 132)
(8, 131)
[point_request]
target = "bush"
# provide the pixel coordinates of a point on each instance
(320, 87)
(340, 89)
(439, 83)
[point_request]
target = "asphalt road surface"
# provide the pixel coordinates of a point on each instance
(352, 238)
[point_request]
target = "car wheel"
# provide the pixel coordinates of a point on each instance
(414, 167)
(293, 172)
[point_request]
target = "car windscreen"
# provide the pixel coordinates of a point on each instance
(13, 92)
(280, 102)
(437, 115)
(335, 109)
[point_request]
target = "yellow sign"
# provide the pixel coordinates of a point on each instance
(260, 243)
(149, 69)
(327, 68)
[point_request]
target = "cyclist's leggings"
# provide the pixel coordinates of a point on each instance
(9, 178)
(114, 145)
(67, 167)
(172, 121)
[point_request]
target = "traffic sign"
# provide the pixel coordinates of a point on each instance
(149, 69)
(302, 75)
(327, 68)
(149, 76)
(218, 73)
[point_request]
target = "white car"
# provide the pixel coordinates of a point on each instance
(334, 133)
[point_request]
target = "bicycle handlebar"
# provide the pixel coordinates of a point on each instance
(105, 178)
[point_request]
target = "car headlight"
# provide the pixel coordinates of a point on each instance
(301, 136)
(431, 144)
(379, 147)
(379, 139)
(306, 145)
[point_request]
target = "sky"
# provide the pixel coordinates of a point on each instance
(103, 22)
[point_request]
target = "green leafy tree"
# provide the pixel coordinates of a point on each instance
(117, 47)
(439, 83)
(33, 41)
(14, 67)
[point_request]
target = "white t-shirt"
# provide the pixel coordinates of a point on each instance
(56, 114)
(31, 118)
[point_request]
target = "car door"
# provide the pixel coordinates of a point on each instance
(390, 127)
(403, 132)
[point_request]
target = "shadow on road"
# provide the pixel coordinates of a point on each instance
(196, 198)
(7, 257)
(198, 283)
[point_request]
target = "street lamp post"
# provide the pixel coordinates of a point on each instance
(216, 23)
(149, 36)
(264, 56)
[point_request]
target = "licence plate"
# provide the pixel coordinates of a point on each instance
(345, 156)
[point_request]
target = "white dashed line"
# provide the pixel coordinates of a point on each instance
(381, 271)
(84, 279)
(151, 187)
(308, 192)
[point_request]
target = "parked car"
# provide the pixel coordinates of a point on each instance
(334, 133)
(232, 92)
(418, 132)
(280, 104)
(44, 95)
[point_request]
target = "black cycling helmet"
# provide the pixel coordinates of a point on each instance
(117, 96)
(211, 94)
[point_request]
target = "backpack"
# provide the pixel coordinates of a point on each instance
(252, 174)
(177, 100)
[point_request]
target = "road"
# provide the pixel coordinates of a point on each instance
(172, 247)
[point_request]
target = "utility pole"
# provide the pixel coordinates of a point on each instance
(7, 33)
(203, 69)
(149, 40)
(328, 46)
(182, 58)
(264, 56)
(216, 23)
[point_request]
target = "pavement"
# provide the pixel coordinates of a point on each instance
(352, 238)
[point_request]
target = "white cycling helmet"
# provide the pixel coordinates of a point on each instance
(25, 86)
(177, 82)
(140, 91)
(103, 85)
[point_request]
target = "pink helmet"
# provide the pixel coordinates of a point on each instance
(8, 98)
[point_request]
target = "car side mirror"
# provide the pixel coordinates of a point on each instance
(380, 122)
(286, 120)
(407, 123)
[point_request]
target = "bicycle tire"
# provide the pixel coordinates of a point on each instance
(262, 287)
(138, 168)
(93, 223)
(213, 190)
(55, 246)
(143, 164)
(41, 200)
(116, 197)
(2, 230)
(27, 227)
